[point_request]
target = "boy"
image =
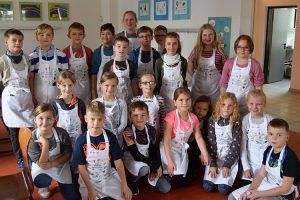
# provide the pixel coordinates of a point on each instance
(160, 33)
(93, 153)
(80, 58)
(279, 173)
(17, 105)
(141, 154)
(101, 56)
(145, 56)
(125, 70)
(46, 63)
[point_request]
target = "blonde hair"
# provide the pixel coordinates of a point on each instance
(235, 116)
(257, 93)
(198, 48)
(107, 76)
(66, 74)
(42, 28)
(44, 107)
(95, 107)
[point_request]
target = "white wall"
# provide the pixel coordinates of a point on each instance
(80, 11)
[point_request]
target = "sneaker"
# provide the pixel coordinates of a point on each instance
(134, 188)
(21, 164)
(44, 192)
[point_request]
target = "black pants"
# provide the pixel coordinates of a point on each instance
(14, 138)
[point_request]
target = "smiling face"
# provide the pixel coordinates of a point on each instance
(171, 45)
(76, 36)
(109, 87)
(66, 87)
(183, 103)
(45, 38)
(14, 43)
(207, 37)
(106, 37)
(129, 22)
(242, 49)
(94, 122)
(44, 121)
(201, 109)
(139, 118)
(147, 84)
(227, 108)
(256, 106)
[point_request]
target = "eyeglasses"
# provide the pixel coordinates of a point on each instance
(160, 35)
(148, 83)
(144, 36)
(242, 48)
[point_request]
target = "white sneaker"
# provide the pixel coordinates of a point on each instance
(44, 192)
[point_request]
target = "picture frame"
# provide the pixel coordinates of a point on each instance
(144, 10)
(6, 11)
(30, 11)
(58, 11)
(161, 9)
(181, 9)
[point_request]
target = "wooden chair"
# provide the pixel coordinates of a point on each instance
(24, 137)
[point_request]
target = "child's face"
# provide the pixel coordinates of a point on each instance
(242, 49)
(109, 87)
(129, 22)
(145, 39)
(76, 36)
(106, 37)
(171, 45)
(139, 118)
(201, 109)
(94, 121)
(277, 137)
(45, 38)
(256, 106)
(44, 121)
(183, 103)
(207, 37)
(66, 87)
(160, 37)
(147, 84)
(121, 49)
(227, 108)
(14, 43)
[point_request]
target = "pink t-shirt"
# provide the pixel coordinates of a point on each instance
(171, 119)
(256, 73)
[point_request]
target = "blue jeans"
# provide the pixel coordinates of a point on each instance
(209, 186)
(68, 191)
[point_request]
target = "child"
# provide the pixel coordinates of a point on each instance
(160, 33)
(224, 142)
(101, 56)
(124, 69)
(50, 149)
(180, 124)
(115, 108)
(170, 70)
(279, 174)
(46, 63)
(242, 73)
(205, 64)
(254, 141)
(141, 156)
(155, 103)
(94, 151)
(130, 24)
(17, 105)
(80, 58)
(145, 56)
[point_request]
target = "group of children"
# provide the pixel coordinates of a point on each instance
(100, 124)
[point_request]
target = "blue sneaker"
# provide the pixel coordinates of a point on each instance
(20, 164)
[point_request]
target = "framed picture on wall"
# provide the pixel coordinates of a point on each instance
(58, 11)
(181, 9)
(30, 11)
(6, 11)
(161, 10)
(144, 10)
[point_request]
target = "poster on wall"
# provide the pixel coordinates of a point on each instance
(6, 11)
(222, 26)
(58, 11)
(144, 10)
(181, 9)
(30, 11)
(161, 10)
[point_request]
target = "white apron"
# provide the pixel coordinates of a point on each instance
(104, 178)
(104, 60)
(145, 68)
(17, 105)
(256, 144)
(171, 80)
(60, 173)
(272, 179)
(124, 86)
(70, 121)
(81, 71)
(240, 84)
(153, 108)
(206, 79)
(45, 80)
(224, 140)
(133, 42)
(178, 148)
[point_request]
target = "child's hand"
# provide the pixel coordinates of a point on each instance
(226, 172)
(126, 192)
(253, 194)
(159, 172)
(248, 174)
(171, 168)
(45, 165)
(205, 160)
(244, 195)
(92, 195)
(213, 171)
(42, 141)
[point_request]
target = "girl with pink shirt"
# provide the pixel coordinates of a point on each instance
(180, 124)
(242, 73)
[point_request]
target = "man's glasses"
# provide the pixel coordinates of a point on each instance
(242, 48)
(148, 83)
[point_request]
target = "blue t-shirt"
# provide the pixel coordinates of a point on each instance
(97, 59)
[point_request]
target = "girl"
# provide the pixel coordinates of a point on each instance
(50, 149)
(180, 124)
(115, 108)
(171, 69)
(224, 142)
(242, 73)
(205, 64)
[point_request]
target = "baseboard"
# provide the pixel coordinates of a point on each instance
(296, 91)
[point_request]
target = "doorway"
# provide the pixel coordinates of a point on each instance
(279, 46)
